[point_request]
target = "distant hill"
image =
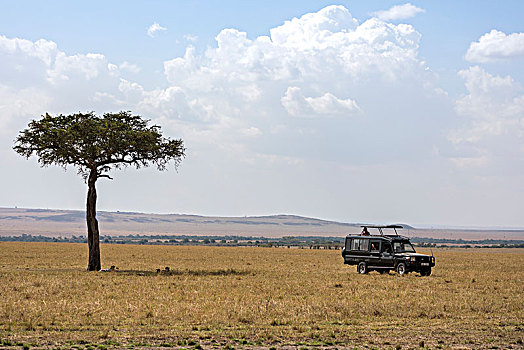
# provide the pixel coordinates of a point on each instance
(66, 223)
(48, 222)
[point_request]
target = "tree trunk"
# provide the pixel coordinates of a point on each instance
(93, 236)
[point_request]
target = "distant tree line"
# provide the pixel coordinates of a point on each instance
(230, 241)
(462, 243)
(304, 242)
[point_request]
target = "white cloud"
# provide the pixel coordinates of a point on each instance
(330, 104)
(16, 103)
(491, 98)
(399, 12)
(320, 45)
(88, 66)
(315, 46)
(471, 162)
(496, 45)
(133, 68)
(245, 94)
(314, 29)
(296, 104)
(494, 128)
(37, 77)
(320, 64)
(42, 49)
(252, 131)
(161, 103)
(191, 38)
(41, 62)
(154, 28)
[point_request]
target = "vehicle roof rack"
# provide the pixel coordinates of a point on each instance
(380, 227)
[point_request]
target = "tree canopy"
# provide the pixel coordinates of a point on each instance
(87, 141)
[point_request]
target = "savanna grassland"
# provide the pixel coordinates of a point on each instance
(217, 297)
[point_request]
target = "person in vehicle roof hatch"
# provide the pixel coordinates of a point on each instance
(365, 232)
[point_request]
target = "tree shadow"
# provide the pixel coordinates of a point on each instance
(169, 272)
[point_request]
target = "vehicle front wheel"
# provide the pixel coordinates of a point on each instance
(362, 268)
(401, 269)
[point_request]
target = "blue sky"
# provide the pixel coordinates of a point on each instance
(377, 111)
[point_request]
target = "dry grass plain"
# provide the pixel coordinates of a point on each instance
(255, 297)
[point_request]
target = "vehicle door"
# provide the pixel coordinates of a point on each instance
(374, 252)
(346, 253)
(360, 248)
(386, 256)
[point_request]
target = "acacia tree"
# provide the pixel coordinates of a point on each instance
(95, 145)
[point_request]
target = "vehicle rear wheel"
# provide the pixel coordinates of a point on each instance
(401, 269)
(362, 268)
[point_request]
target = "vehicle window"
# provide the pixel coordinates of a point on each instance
(348, 244)
(403, 247)
(359, 244)
(375, 246)
(397, 247)
(408, 248)
(387, 248)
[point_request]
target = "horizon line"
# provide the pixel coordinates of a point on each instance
(411, 227)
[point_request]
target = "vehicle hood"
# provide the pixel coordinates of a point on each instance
(411, 254)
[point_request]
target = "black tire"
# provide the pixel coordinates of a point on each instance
(362, 268)
(401, 269)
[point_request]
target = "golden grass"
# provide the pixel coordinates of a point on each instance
(244, 297)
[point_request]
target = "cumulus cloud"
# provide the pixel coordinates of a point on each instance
(496, 45)
(314, 66)
(489, 97)
(87, 66)
(43, 50)
(38, 77)
(494, 128)
(296, 104)
(154, 28)
(313, 29)
(244, 94)
(321, 45)
(32, 62)
(399, 12)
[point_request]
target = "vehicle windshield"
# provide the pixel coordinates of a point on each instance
(403, 247)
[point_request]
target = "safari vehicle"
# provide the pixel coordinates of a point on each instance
(385, 252)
